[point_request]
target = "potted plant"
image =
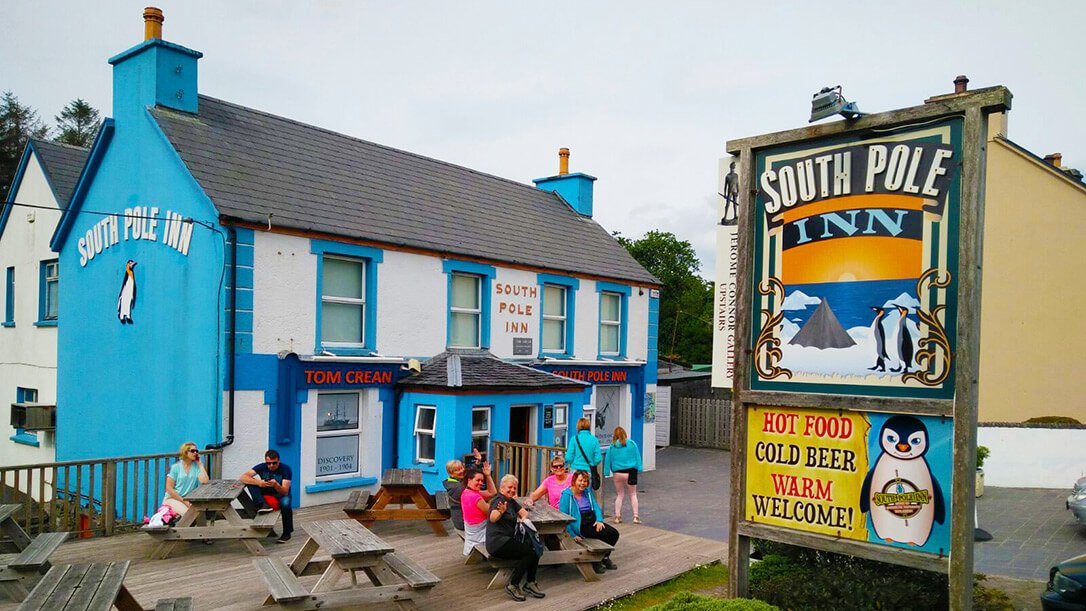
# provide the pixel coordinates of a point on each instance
(982, 454)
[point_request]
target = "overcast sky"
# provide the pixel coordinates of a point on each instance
(645, 94)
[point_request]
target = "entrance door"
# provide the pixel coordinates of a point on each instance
(520, 424)
(524, 460)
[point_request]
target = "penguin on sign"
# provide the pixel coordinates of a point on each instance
(900, 492)
(126, 300)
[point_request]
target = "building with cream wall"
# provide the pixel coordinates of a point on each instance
(288, 277)
(28, 333)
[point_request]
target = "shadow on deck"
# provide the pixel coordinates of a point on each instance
(222, 576)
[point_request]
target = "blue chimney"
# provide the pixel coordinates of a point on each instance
(575, 189)
(154, 73)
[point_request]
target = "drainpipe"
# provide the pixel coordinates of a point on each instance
(232, 348)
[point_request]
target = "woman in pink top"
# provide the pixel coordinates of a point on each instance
(473, 502)
(555, 483)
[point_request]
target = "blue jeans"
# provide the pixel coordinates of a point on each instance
(257, 493)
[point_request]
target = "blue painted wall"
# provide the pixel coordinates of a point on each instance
(143, 387)
(453, 437)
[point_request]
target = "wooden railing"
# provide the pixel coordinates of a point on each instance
(92, 497)
(530, 463)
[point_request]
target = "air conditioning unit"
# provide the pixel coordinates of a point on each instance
(34, 417)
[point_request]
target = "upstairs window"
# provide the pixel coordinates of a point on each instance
(610, 323)
(50, 290)
(343, 302)
(465, 311)
(554, 318)
(9, 298)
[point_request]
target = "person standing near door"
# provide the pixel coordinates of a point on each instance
(583, 453)
(624, 460)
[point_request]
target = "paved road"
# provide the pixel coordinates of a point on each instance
(1031, 528)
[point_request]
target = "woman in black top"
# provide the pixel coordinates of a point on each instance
(505, 511)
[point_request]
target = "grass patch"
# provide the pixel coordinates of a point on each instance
(702, 578)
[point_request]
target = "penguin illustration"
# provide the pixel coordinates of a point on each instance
(880, 340)
(899, 492)
(126, 300)
(904, 341)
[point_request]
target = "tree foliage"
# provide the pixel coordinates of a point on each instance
(77, 123)
(18, 124)
(686, 299)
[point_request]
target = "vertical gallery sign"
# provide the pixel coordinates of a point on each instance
(725, 288)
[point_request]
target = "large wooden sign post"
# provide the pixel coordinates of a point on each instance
(856, 359)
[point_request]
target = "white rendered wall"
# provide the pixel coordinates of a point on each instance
(412, 305)
(1033, 457)
(284, 287)
(251, 423)
(28, 354)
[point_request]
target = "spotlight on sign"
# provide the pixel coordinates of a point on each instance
(829, 102)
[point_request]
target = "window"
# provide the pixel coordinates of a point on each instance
(338, 434)
(610, 322)
(554, 318)
(465, 311)
(9, 299)
(346, 297)
(50, 284)
(480, 430)
(613, 305)
(469, 304)
(343, 302)
(561, 411)
(590, 413)
(425, 425)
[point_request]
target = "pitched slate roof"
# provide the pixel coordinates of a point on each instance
(63, 164)
(252, 164)
(481, 370)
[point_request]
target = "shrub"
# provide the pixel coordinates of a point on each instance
(1052, 420)
(801, 578)
(982, 453)
(686, 601)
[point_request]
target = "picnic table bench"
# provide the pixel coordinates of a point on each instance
(400, 487)
(83, 587)
(208, 500)
(20, 572)
(561, 548)
(352, 548)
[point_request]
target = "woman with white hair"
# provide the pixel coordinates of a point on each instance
(501, 526)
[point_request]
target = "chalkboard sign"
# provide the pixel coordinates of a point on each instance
(522, 346)
(548, 416)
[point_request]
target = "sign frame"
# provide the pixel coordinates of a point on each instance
(973, 107)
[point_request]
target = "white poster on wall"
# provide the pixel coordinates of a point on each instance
(725, 283)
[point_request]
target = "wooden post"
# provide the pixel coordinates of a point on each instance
(109, 497)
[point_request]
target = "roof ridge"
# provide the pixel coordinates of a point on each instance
(381, 146)
(62, 144)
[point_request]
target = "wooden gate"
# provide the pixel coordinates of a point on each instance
(701, 423)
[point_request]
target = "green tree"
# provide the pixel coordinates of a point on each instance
(686, 299)
(18, 124)
(77, 123)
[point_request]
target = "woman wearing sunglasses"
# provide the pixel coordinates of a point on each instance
(554, 484)
(184, 476)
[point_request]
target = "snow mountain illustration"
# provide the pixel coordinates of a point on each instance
(823, 330)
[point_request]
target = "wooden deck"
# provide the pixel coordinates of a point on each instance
(222, 576)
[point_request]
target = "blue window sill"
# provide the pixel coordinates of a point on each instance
(612, 357)
(27, 439)
(339, 484)
(46, 323)
(340, 351)
(556, 355)
(7, 323)
(425, 467)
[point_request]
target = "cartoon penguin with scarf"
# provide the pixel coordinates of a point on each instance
(902, 496)
(126, 300)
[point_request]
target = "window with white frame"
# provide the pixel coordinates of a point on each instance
(554, 318)
(50, 289)
(343, 302)
(425, 427)
(589, 412)
(561, 411)
(480, 430)
(339, 431)
(465, 310)
(610, 323)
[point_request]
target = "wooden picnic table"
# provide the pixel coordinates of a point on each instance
(400, 487)
(89, 587)
(198, 522)
(560, 546)
(20, 572)
(351, 547)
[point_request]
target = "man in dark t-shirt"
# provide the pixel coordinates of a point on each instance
(268, 483)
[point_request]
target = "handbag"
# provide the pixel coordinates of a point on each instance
(595, 468)
(524, 534)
